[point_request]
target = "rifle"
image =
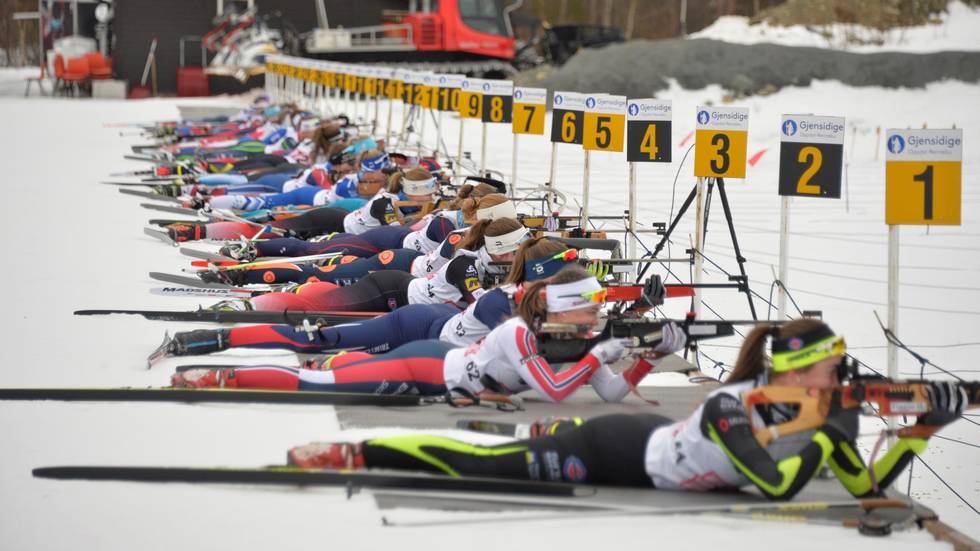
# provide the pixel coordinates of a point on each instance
(890, 397)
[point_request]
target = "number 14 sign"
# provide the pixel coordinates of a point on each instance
(923, 173)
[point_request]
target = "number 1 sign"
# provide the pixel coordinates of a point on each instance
(923, 173)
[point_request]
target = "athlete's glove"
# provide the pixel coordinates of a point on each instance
(672, 339)
(598, 269)
(609, 351)
(946, 403)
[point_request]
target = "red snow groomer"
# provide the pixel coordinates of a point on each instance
(450, 36)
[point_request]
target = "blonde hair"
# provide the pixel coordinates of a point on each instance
(417, 173)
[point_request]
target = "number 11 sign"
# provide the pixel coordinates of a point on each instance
(923, 172)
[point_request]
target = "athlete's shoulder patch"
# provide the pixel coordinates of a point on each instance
(385, 257)
(454, 238)
(471, 283)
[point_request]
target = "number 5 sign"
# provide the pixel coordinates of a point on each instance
(811, 151)
(605, 122)
(721, 140)
(923, 172)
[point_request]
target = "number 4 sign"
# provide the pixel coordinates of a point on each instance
(648, 131)
(923, 173)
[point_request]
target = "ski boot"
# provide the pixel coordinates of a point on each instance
(204, 378)
(233, 305)
(549, 426)
(323, 455)
(244, 251)
(190, 343)
(235, 278)
(174, 189)
(190, 231)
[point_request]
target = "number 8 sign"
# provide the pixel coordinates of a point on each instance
(923, 176)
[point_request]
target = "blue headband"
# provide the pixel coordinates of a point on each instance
(547, 266)
(378, 162)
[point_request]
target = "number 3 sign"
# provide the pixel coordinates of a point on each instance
(721, 141)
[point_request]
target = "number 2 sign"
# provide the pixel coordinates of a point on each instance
(923, 176)
(811, 152)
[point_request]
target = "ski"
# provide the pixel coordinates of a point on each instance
(187, 281)
(294, 476)
(203, 255)
(199, 395)
(149, 195)
(517, 430)
(130, 184)
(224, 265)
(199, 292)
(170, 208)
(162, 235)
(291, 317)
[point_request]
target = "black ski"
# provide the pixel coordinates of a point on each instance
(189, 281)
(170, 208)
(198, 395)
(149, 195)
(291, 317)
(315, 477)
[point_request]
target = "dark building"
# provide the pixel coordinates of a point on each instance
(138, 22)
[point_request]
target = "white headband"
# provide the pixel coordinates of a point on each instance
(419, 187)
(503, 210)
(506, 243)
(562, 297)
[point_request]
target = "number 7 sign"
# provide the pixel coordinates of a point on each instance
(923, 176)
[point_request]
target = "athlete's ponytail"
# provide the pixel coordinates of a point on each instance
(477, 234)
(752, 360)
(532, 248)
(468, 198)
(323, 138)
(533, 307)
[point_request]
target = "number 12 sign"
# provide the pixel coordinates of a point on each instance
(923, 176)
(811, 151)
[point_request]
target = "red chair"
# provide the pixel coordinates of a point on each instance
(100, 67)
(59, 73)
(77, 73)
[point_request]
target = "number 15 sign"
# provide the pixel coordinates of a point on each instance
(923, 172)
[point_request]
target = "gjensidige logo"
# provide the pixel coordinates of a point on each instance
(590, 102)
(634, 109)
(703, 117)
(518, 94)
(896, 144)
(558, 99)
(789, 127)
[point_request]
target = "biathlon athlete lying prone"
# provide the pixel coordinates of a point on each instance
(457, 282)
(506, 362)
(536, 259)
(419, 249)
(714, 448)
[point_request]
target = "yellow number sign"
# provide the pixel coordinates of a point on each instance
(923, 176)
(721, 136)
(605, 123)
(528, 110)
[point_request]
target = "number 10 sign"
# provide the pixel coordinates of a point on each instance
(923, 172)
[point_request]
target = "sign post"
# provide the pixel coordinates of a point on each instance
(923, 186)
(567, 118)
(811, 153)
(527, 117)
(470, 106)
(721, 135)
(648, 140)
(604, 128)
(498, 100)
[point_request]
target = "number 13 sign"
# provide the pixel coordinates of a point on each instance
(923, 172)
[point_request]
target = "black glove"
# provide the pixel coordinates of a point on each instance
(654, 293)
(841, 424)
(198, 341)
(947, 400)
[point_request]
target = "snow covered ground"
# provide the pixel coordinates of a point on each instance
(73, 243)
(955, 31)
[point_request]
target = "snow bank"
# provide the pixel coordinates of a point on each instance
(957, 31)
